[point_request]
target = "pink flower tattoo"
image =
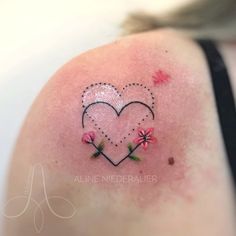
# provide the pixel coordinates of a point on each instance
(160, 77)
(145, 137)
(88, 137)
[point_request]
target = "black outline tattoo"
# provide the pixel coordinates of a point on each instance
(117, 112)
(96, 126)
(118, 163)
(145, 137)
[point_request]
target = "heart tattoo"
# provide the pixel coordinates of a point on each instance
(115, 116)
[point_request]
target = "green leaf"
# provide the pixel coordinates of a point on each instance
(134, 158)
(130, 147)
(96, 154)
(101, 146)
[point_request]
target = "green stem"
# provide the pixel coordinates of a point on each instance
(113, 163)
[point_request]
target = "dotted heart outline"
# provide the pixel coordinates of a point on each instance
(120, 95)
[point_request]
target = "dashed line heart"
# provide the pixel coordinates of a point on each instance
(103, 104)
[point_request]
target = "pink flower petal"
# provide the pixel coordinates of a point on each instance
(92, 135)
(85, 138)
(152, 140)
(138, 140)
(141, 132)
(88, 137)
(149, 131)
(145, 145)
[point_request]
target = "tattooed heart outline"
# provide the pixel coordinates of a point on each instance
(91, 96)
(118, 113)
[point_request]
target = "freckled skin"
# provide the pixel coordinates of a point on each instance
(185, 126)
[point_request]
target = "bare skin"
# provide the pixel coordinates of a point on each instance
(187, 190)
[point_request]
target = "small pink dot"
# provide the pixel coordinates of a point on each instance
(160, 77)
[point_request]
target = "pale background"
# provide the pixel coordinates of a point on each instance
(37, 37)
